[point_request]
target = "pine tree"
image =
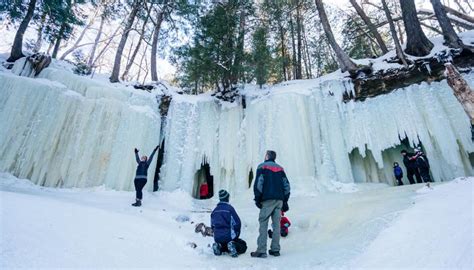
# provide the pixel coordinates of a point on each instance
(261, 55)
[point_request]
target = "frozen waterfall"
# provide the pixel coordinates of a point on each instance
(64, 130)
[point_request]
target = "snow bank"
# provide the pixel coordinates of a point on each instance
(64, 130)
(435, 233)
(320, 141)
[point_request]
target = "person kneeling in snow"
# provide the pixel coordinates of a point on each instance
(226, 226)
(141, 175)
(284, 225)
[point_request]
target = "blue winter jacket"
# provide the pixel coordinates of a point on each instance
(271, 183)
(397, 171)
(225, 223)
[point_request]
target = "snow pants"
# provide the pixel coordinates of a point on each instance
(425, 174)
(240, 246)
(270, 208)
(139, 184)
(410, 173)
(399, 180)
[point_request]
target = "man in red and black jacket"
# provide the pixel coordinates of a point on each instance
(272, 191)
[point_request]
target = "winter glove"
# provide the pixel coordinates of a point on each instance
(136, 150)
(258, 204)
(285, 207)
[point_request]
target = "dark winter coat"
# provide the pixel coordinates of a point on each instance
(398, 172)
(422, 162)
(410, 161)
(142, 168)
(271, 183)
(225, 223)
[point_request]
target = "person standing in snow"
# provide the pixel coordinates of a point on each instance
(398, 172)
(272, 191)
(284, 225)
(409, 159)
(141, 175)
(423, 165)
(225, 224)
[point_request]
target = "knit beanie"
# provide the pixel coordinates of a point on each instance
(223, 196)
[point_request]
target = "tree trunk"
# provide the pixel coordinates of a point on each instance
(283, 54)
(417, 43)
(58, 40)
(345, 63)
(461, 90)
(114, 77)
(154, 47)
(17, 48)
(137, 48)
(299, 42)
(308, 56)
(39, 39)
(450, 37)
(370, 25)
(154, 44)
(96, 41)
(393, 31)
(293, 45)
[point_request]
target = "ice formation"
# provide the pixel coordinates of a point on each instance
(320, 141)
(67, 131)
(62, 130)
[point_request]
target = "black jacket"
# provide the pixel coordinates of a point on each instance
(409, 164)
(142, 168)
(271, 183)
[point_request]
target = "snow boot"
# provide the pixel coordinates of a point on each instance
(274, 253)
(258, 254)
(138, 203)
(216, 247)
(232, 249)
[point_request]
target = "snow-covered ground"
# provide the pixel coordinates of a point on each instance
(378, 226)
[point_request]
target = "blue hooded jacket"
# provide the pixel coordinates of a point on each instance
(225, 223)
(398, 172)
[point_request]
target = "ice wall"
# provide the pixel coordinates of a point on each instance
(63, 130)
(322, 143)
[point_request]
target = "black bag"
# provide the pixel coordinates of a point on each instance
(285, 207)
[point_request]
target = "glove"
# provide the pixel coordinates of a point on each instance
(285, 207)
(136, 150)
(286, 225)
(258, 204)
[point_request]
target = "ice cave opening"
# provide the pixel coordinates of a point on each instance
(365, 168)
(159, 163)
(203, 177)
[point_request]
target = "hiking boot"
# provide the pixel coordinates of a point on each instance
(216, 247)
(138, 203)
(258, 254)
(232, 249)
(274, 253)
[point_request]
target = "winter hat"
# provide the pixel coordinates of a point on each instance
(223, 196)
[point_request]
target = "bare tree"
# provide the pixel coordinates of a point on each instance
(137, 47)
(154, 43)
(114, 77)
(393, 31)
(345, 63)
(17, 47)
(96, 41)
(370, 25)
(450, 37)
